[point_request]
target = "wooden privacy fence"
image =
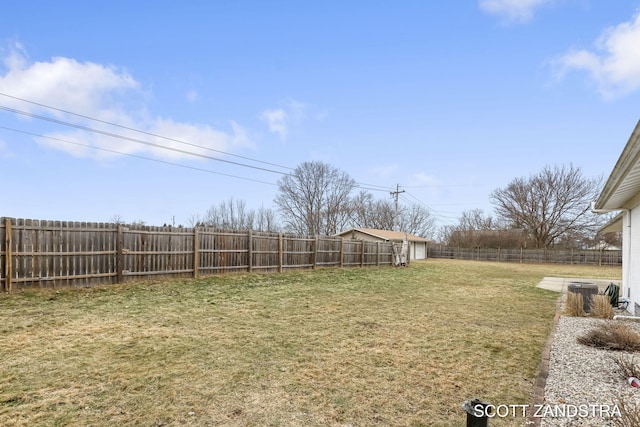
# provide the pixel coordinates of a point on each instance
(552, 256)
(37, 253)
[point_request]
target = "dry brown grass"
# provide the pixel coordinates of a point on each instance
(612, 335)
(333, 347)
(601, 307)
(574, 305)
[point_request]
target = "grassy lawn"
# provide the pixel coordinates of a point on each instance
(330, 347)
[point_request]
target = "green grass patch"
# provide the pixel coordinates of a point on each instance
(361, 346)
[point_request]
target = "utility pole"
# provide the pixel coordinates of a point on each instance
(395, 217)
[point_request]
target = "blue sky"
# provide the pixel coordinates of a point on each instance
(450, 100)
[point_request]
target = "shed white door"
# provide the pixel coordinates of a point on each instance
(419, 251)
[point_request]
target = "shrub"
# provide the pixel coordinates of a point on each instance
(612, 335)
(626, 365)
(601, 307)
(574, 305)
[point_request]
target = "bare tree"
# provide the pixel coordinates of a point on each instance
(369, 213)
(550, 204)
(477, 229)
(266, 220)
(119, 220)
(360, 207)
(314, 199)
(476, 219)
(417, 220)
(116, 219)
(229, 215)
(194, 221)
(234, 215)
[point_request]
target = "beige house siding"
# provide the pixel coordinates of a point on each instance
(621, 193)
(359, 235)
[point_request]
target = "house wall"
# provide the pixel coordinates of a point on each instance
(631, 270)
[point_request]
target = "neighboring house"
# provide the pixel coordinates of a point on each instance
(622, 193)
(417, 245)
(604, 246)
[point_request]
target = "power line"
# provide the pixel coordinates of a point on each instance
(373, 187)
(141, 131)
(440, 185)
(138, 141)
(435, 213)
(134, 155)
(364, 186)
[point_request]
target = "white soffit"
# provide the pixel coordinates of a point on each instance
(624, 182)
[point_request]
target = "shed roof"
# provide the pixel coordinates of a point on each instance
(624, 182)
(385, 234)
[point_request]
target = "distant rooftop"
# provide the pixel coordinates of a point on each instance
(385, 234)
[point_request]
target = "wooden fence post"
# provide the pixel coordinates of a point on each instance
(120, 255)
(8, 263)
(341, 253)
(315, 252)
(362, 254)
(196, 253)
(378, 253)
(280, 253)
(250, 252)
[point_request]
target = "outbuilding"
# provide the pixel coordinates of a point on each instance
(417, 245)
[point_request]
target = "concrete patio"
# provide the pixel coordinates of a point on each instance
(560, 284)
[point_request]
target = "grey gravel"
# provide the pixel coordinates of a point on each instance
(583, 381)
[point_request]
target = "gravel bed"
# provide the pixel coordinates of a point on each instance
(583, 387)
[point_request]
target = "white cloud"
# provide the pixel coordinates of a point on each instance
(277, 121)
(289, 116)
(106, 93)
(614, 65)
(513, 10)
(16, 58)
(63, 82)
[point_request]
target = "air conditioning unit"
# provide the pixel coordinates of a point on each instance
(587, 290)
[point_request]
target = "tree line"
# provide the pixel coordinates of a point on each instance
(548, 209)
(318, 199)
